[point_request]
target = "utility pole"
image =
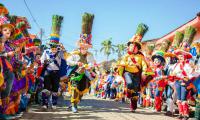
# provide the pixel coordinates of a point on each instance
(41, 34)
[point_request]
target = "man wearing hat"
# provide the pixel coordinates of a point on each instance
(182, 73)
(81, 62)
(51, 60)
(134, 67)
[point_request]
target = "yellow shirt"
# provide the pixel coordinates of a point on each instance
(133, 63)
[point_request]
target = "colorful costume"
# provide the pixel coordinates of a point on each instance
(51, 60)
(81, 62)
(182, 72)
(133, 66)
(171, 59)
(6, 61)
(159, 78)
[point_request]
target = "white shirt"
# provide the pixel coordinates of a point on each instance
(48, 55)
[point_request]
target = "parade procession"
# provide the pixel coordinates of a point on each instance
(79, 74)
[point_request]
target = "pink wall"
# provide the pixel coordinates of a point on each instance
(195, 23)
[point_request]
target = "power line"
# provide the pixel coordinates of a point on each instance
(32, 15)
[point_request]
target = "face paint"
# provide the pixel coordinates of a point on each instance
(6, 32)
(157, 61)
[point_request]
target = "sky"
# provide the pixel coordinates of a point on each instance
(113, 18)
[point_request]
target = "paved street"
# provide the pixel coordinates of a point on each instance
(95, 109)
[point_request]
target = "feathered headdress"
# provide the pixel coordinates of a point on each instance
(165, 45)
(188, 37)
(178, 38)
(55, 30)
(86, 36)
(159, 55)
(140, 32)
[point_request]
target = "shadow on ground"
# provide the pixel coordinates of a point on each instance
(89, 108)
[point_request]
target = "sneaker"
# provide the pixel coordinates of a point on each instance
(74, 109)
(53, 107)
(185, 118)
(44, 107)
(19, 114)
(180, 117)
(69, 107)
(168, 113)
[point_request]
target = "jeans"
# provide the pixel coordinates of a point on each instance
(169, 91)
(132, 81)
(181, 91)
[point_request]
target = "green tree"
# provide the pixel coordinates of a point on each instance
(107, 48)
(120, 49)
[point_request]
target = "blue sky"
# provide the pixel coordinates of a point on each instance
(113, 18)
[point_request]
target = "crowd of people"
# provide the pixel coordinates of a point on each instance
(167, 77)
(31, 71)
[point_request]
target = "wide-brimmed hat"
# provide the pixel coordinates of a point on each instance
(186, 55)
(4, 22)
(170, 54)
(159, 55)
(3, 10)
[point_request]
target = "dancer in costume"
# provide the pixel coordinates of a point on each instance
(171, 59)
(159, 78)
(133, 67)
(81, 62)
(196, 82)
(146, 87)
(182, 73)
(6, 60)
(51, 60)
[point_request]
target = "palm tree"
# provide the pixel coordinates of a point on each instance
(120, 49)
(95, 52)
(107, 48)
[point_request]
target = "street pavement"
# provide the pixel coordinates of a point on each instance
(92, 108)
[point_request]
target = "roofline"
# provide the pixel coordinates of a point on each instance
(179, 27)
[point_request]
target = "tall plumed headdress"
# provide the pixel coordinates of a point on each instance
(86, 34)
(140, 32)
(56, 28)
(188, 38)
